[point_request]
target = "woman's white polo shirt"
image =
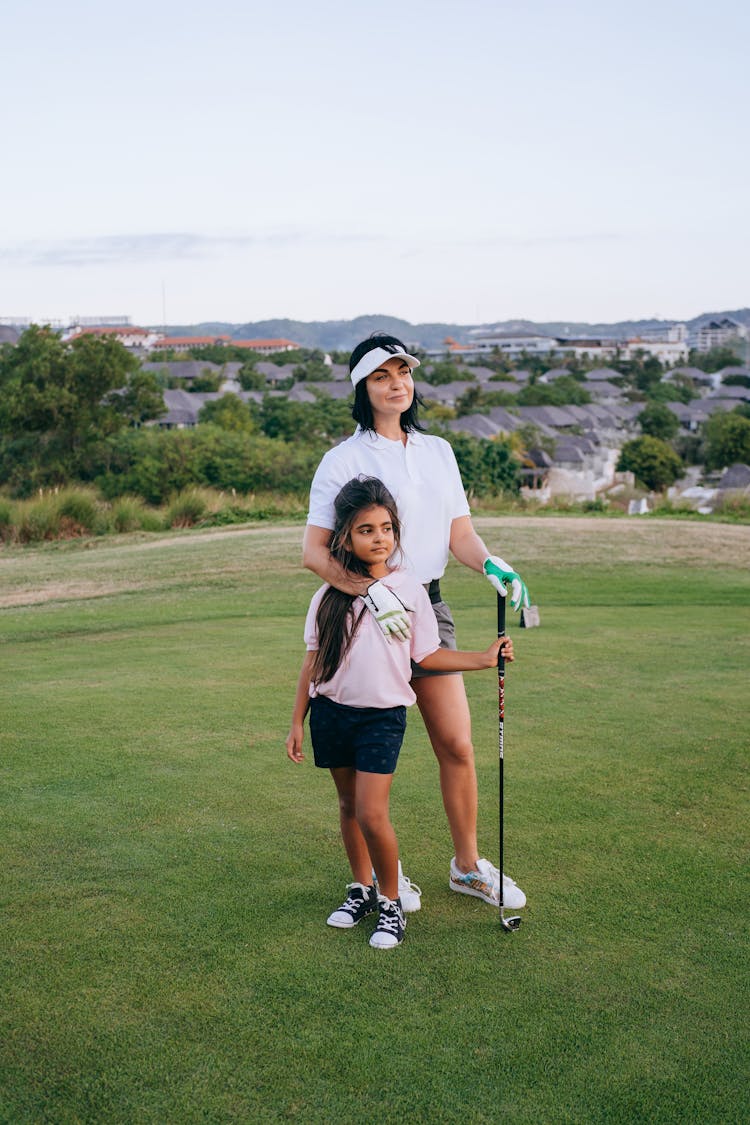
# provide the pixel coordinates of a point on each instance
(421, 475)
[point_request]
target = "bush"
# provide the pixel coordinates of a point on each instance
(6, 520)
(37, 520)
(129, 513)
(79, 511)
(187, 509)
(157, 465)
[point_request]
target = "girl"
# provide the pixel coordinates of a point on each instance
(355, 682)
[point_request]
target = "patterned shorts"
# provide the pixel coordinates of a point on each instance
(362, 738)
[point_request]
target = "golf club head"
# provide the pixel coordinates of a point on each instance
(510, 925)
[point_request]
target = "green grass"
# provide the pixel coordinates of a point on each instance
(166, 872)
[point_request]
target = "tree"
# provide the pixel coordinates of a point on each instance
(445, 371)
(715, 359)
(654, 463)
(563, 391)
(726, 440)
(59, 400)
(230, 413)
(658, 421)
(249, 378)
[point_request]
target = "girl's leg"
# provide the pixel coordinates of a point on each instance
(345, 780)
(445, 710)
(372, 793)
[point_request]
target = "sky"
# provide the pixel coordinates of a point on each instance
(471, 161)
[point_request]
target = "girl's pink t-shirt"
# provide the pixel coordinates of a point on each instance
(376, 672)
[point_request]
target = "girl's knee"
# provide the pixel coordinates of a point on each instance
(373, 822)
(348, 805)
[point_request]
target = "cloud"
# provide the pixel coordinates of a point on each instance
(122, 249)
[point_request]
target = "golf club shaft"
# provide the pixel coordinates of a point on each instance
(500, 724)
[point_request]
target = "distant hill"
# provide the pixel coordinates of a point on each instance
(342, 335)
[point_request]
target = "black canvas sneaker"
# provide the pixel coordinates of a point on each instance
(361, 901)
(391, 924)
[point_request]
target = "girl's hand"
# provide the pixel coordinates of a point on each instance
(504, 643)
(294, 744)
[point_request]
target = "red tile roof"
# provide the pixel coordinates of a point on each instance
(190, 341)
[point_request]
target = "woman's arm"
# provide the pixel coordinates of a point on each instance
(385, 606)
(447, 660)
(466, 545)
(470, 550)
(301, 706)
(316, 557)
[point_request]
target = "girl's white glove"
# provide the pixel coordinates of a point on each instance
(498, 573)
(388, 610)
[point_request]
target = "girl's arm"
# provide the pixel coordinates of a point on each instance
(301, 706)
(446, 660)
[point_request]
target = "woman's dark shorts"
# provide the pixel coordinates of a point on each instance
(447, 634)
(361, 738)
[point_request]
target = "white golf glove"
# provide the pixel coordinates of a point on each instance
(388, 610)
(498, 573)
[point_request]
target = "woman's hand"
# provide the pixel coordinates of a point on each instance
(294, 742)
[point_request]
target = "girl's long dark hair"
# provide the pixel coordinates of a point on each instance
(335, 622)
(362, 410)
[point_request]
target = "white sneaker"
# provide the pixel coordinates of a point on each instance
(409, 893)
(484, 883)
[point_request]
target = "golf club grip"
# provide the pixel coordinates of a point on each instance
(500, 629)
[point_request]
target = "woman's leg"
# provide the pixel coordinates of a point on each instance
(445, 710)
(345, 780)
(373, 790)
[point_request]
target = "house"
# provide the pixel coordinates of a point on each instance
(509, 343)
(444, 393)
(267, 347)
(735, 479)
(716, 334)
(181, 343)
(188, 370)
(603, 392)
(127, 334)
(276, 373)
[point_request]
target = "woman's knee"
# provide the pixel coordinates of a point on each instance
(457, 752)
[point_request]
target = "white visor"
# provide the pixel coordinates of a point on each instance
(374, 359)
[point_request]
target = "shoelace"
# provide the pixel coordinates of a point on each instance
(353, 901)
(406, 884)
(389, 920)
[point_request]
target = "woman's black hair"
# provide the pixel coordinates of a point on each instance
(362, 410)
(335, 622)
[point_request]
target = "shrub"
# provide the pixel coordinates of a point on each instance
(37, 520)
(129, 513)
(79, 510)
(187, 509)
(6, 520)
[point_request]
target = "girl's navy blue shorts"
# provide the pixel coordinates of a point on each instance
(361, 738)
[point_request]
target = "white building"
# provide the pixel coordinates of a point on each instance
(510, 343)
(717, 334)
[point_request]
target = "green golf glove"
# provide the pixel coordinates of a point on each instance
(389, 611)
(498, 573)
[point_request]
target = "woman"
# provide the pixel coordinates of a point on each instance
(421, 473)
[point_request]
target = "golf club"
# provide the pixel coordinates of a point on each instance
(510, 925)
